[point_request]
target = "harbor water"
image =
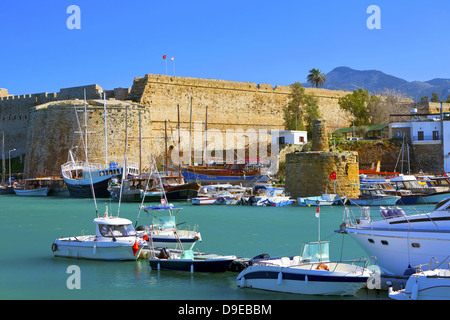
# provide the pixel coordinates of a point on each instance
(30, 225)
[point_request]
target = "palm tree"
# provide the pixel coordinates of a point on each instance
(316, 78)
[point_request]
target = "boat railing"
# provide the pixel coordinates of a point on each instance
(432, 265)
(92, 166)
(364, 217)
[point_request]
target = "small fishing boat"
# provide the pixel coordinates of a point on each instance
(373, 196)
(5, 189)
(311, 273)
(433, 283)
(188, 261)
(326, 199)
(27, 191)
(115, 239)
(163, 231)
(218, 194)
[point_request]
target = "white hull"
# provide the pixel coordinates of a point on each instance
(304, 280)
(38, 192)
(84, 247)
(428, 285)
(168, 239)
(398, 251)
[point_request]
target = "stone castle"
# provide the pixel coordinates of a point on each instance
(43, 126)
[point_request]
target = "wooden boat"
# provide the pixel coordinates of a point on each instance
(27, 191)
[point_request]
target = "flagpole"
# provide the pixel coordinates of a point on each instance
(173, 61)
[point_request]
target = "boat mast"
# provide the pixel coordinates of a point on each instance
(3, 158)
(179, 139)
(106, 136)
(124, 169)
(87, 166)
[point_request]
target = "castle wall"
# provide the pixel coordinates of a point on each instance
(54, 129)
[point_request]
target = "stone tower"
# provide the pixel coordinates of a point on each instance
(308, 173)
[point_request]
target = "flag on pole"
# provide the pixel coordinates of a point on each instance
(333, 175)
(164, 56)
(318, 212)
(172, 59)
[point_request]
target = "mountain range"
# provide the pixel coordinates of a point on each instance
(345, 78)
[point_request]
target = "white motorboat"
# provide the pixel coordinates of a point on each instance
(433, 283)
(311, 273)
(115, 239)
(326, 199)
(163, 232)
(399, 240)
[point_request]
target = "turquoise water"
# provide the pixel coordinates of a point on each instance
(30, 225)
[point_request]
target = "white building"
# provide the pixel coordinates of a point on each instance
(430, 131)
(289, 137)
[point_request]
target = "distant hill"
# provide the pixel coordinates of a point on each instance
(345, 78)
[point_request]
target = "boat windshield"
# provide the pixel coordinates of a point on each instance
(164, 222)
(316, 251)
(117, 230)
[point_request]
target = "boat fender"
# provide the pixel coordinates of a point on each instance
(306, 279)
(54, 247)
(192, 268)
(280, 278)
(322, 267)
(415, 291)
(242, 284)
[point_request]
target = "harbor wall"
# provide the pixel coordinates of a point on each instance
(54, 130)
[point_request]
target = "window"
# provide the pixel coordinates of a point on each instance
(420, 135)
(281, 140)
(435, 135)
(415, 245)
(302, 139)
(384, 242)
(116, 230)
(371, 240)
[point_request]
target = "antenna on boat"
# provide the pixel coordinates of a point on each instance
(124, 169)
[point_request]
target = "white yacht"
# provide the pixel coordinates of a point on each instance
(399, 240)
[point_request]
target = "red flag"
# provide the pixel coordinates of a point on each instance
(333, 175)
(317, 211)
(164, 56)
(135, 247)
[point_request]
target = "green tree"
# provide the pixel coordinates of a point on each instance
(316, 78)
(448, 99)
(301, 109)
(434, 97)
(424, 99)
(359, 105)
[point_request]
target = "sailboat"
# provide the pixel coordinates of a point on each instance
(79, 176)
(115, 238)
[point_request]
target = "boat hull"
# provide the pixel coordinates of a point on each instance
(300, 281)
(429, 285)
(385, 201)
(38, 192)
(433, 198)
(90, 250)
(398, 251)
(218, 265)
(82, 189)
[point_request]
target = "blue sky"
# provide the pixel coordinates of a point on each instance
(273, 42)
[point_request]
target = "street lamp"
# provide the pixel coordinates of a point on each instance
(10, 165)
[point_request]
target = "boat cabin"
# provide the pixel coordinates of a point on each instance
(114, 227)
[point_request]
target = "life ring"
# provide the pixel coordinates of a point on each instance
(54, 247)
(322, 267)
